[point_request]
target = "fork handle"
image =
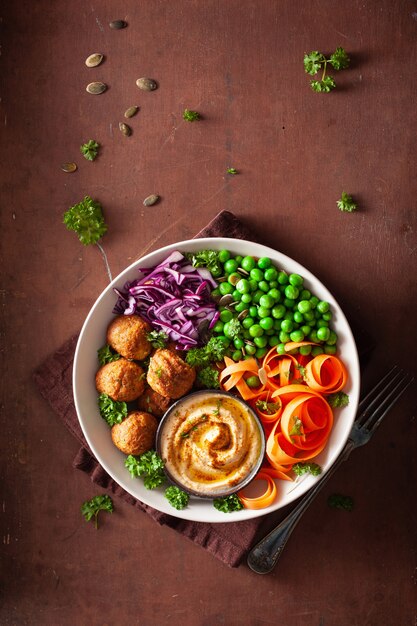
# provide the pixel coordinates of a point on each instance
(264, 556)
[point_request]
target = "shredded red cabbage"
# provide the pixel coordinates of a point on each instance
(174, 297)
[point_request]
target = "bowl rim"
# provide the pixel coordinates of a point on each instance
(156, 256)
(255, 469)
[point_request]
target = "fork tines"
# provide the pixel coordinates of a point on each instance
(376, 404)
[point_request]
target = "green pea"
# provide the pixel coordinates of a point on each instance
(243, 286)
(309, 316)
(250, 349)
(287, 326)
(215, 293)
(291, 292)
(316, 350)
(306, 329)
(332, 340)
(263, 311)
(281, 348)
(274, 293)
(271, 274)
(260, 352)
(225, 288)
(248, 263)
(234, 278)
(264, 286)
(313, 337)
(296, 280)
(246, 298)
(256, 331)
(236, 295)
(322, 324)
(284, 337)
(226, 315)
(253, 311)
(257, 296)
(230, 266)
(237, 355)
(264, 262)
(218, 327)
(224, 340)
(273, 284)
(267, 323)
(270, 331)
(216, 272)
(323, 333)
(297, 335)
(253, 381)
(260, 342)
(273, 341)
(323, 306)
(238, 259)
(282, 278)
(330, 349)
(289, 316)
(247, 322)
(267, 301)
(256, 274)
(327, 316)
(304, 306)
(298, 318)
(241, 306)
(278, 311)
(305, 294)
(314, 302)
(224, 255)
(305, 349)
(253, 284)
(238, 343)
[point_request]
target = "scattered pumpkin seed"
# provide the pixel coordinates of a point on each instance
(118, 24)
(125, 129)
(96, 88)
(151, 200)
(222, 279)
(249, 342)
(242, 271)
(230, 306)
(146, 84)
(94, 59)
(69, 167)
(226, 299)
(242, 315)
(131, 111)
(233, 280)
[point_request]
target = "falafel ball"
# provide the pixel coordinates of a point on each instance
(136, 434)
(169, 375)
(153, 402)
(122, 380)
(127, 334)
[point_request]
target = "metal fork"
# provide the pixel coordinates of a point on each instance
(371, 411)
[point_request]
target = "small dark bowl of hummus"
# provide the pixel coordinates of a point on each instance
(212, 443)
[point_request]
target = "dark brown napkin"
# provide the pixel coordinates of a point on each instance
(228, 542)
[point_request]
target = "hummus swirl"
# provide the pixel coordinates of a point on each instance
(210, 443)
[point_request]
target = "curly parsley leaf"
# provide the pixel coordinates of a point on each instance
(90, 149)
(208, 377)
(91, 508)
(191, 116)
(107, 355)
(228, 504)
(86, 219)
(346, 203)
(212, 352)
(232, 171)
(323, 86)
(339, 501)
(148, 466)
(313, 62)
(338, 400)
(112, 411)
(208, 259)
(306, 468)
(339, 59)
(296, 429)
(267, 407)
(233, 328)
(176, 497)
(157, 338)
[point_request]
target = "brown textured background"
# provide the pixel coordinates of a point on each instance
(238, 62)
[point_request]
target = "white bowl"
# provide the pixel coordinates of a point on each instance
(97, 432)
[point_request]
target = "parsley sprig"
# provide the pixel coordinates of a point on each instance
(191, 116)
(306, 468)
(176, 497)
(339, 399)
(315, 62)
(212, 352)
(208, 259)
(228, 504)
(90, 149)
(346, 203)
(86, 219)
(111, 410)
(91, 508)
(157, 338)
(148, 466)
(107, 355)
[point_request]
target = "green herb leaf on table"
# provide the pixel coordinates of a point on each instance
(339, 399)
(228, 504)
(91, 508)
(176, 497)
(107, 355)
(157, 338)
(90, 149)
(86, 219)
(339, 501)
(148, 466)
(346, 203)
(323, 86)
(339, 59)
(112, 411)
(315, 62)
(191, 116)
(208, 377)
(232, 171)
(306, 468)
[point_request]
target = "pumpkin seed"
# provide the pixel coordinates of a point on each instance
(151, 200)
(249, 342)
(146, 84)
(226, 299)
(242, 271)
(96, 88)
(125, 129)
(94, 59)
(242, 315)
(131, 111)
(69, 167)
(233, 280)
(118, 24)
